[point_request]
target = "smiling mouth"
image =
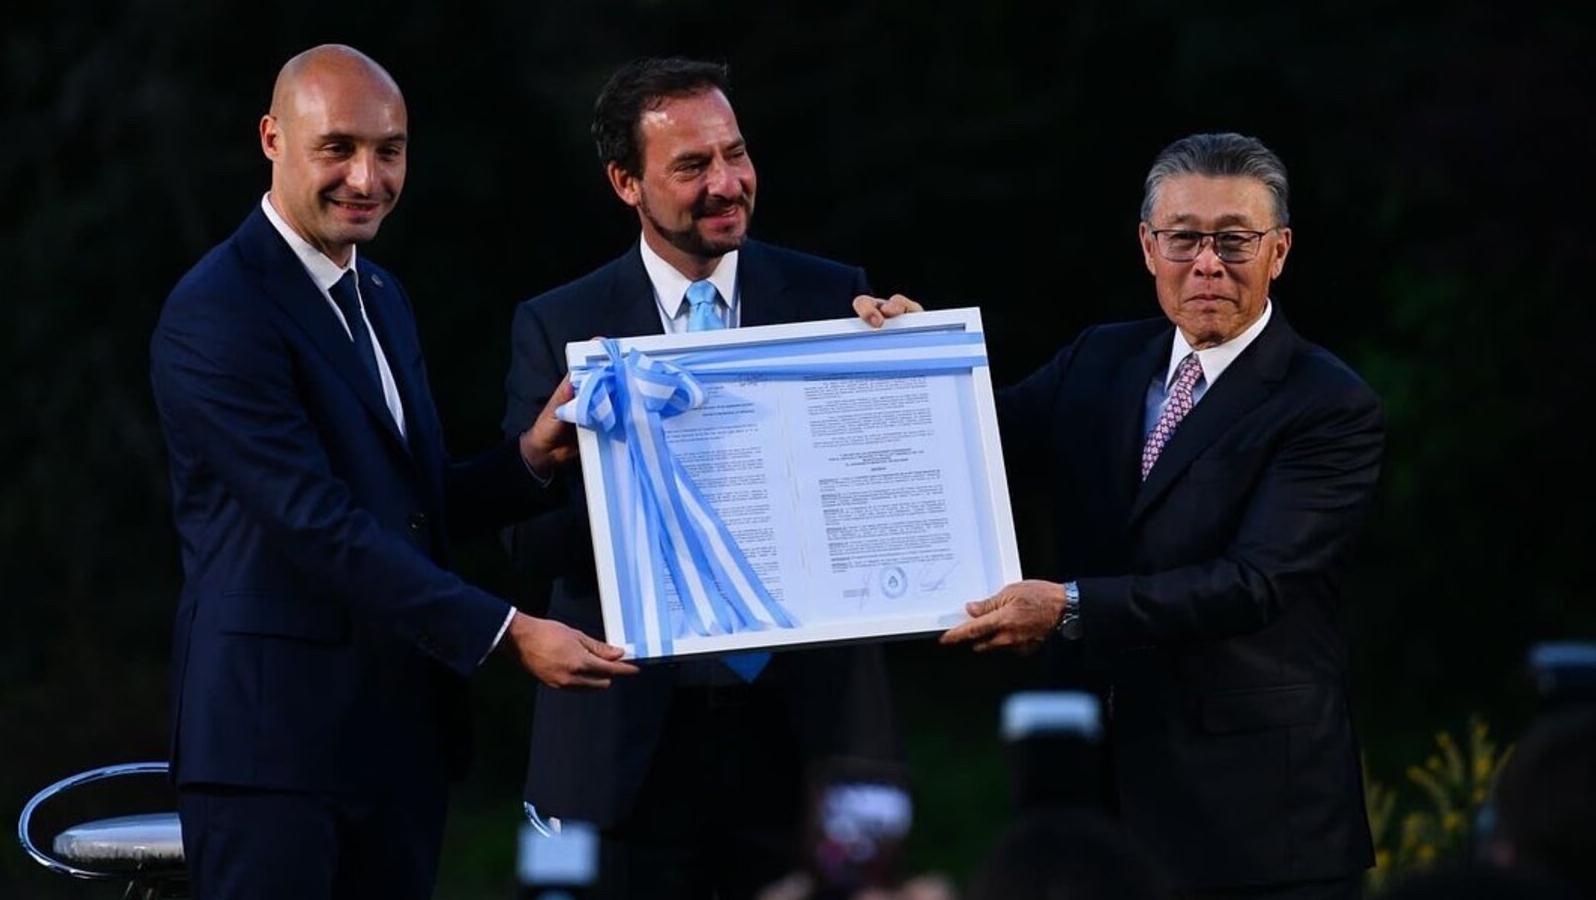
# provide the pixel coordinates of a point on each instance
(359, 206)
(723, 212)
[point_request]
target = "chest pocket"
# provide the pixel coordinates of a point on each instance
(1226, 467)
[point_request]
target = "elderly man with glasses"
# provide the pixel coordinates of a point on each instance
(1208, 481)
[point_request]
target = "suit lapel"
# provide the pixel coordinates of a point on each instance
(1244, 385)
(761, 292)
(632, 310)
(285, 281)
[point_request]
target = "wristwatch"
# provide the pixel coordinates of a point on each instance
(1069, 623)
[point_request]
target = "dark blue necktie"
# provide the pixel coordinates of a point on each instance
(348, 300)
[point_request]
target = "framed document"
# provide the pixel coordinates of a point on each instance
(786, 485)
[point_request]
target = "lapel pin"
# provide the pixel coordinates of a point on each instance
(376, 281)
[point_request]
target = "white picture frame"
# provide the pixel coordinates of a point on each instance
(971, 441)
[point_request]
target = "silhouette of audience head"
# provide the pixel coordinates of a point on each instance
(1072, 854)
(1544, 804)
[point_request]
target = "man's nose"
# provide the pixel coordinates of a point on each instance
(1208, 262)
(722, 180)
(362, 168)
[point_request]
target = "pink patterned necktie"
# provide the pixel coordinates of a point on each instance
(1175, 409)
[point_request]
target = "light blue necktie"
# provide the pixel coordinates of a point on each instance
(705, 316)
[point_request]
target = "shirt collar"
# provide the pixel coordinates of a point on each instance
(322, 270)
(670, 286)
(1215, 360)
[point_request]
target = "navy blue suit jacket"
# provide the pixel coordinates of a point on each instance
(1209, 592)
(590, 751)
(320, 644)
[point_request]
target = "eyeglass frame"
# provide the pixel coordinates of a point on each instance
(1211, 238)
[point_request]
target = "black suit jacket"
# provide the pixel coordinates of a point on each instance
(320, 644)
(1209, 592)
(590, 751)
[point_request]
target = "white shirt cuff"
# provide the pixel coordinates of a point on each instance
(508, 618)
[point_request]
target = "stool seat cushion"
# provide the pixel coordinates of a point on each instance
(142, 842)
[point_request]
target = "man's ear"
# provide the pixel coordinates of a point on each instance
(1282, 247)
(1145, 233)
(627, 186)
(271, 137)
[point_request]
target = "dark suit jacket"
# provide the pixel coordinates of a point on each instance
(1210, 591)
(590, 751)
(319, 644)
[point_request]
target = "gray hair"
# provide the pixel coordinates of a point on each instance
(1218, 156)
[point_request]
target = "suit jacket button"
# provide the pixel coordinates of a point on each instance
(418, 523)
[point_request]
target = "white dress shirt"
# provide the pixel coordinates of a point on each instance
(670, 290)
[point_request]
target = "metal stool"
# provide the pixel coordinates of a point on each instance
(144, 850)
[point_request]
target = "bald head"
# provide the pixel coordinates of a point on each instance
(336, 135)
(311, 70)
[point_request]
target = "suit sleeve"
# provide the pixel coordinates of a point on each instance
(225, 387)
(490, 489)
(1025, 414)
(1295, 532)
(554, 542)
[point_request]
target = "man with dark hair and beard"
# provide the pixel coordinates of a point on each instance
(692, 771)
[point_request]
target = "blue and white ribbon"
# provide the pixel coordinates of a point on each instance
(627, 398)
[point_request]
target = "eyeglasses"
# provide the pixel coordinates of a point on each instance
(1180, 245)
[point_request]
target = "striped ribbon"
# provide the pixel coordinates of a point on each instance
(627, 397)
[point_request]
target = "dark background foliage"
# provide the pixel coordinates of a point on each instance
(968, 154)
